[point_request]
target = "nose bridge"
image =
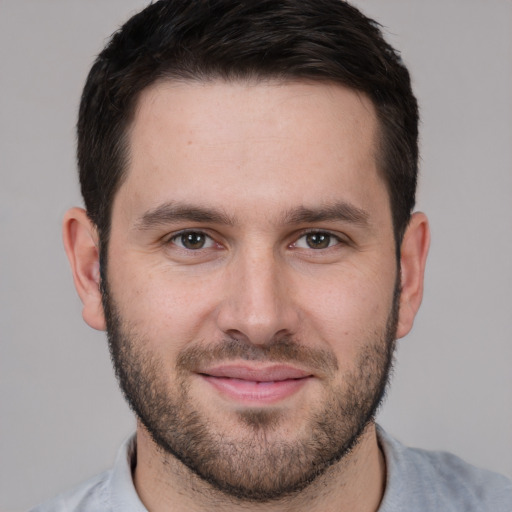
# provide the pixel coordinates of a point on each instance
(257, 306)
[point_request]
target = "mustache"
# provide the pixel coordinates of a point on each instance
(284, 350)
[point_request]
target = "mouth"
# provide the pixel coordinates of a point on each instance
(256, 385)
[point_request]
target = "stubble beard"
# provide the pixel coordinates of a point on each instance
(261, 465)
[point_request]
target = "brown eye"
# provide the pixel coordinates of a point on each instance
(318, 240)
(192, 240)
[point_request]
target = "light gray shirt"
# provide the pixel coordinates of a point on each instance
(417, 481)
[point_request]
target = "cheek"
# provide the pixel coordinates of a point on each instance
(166, 308)
(349, 311)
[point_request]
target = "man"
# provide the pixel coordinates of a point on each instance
(249, 175)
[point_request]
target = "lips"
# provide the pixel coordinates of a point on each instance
(256, 385)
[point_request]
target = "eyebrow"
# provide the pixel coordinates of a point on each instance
(341, 211)
(170, 212)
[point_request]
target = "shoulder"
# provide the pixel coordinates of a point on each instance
(111, 491)
(423, 480)
(90, 496)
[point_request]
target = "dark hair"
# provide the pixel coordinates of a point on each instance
(319, 40)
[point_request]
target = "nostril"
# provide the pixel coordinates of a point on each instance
(283, 337)
(237, 336)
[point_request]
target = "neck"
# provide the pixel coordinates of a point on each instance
(356, 483)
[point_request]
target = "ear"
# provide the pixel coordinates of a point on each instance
(81, 243)
(413, 257)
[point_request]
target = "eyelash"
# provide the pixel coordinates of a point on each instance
(191, 232)
(331, 237)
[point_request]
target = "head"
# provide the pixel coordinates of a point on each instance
(249, 173)
(326, 41)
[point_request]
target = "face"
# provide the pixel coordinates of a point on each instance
(250, 293)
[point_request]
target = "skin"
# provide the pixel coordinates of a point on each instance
(254, 154)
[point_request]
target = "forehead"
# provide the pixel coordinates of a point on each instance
(274, 143)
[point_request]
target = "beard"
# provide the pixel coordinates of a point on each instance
(260, 464)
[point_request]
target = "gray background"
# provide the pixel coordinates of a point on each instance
(61, 415)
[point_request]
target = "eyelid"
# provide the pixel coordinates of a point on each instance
(174, 236)
(339, 238)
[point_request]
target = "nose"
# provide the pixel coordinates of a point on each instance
(258, 304)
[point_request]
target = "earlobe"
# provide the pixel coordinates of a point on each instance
(413, 257)
(81, 245)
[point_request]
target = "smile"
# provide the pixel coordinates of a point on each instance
(256, 385)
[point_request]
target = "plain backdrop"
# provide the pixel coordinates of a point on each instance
(61, 415)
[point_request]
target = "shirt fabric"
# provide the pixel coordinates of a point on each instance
(417, 481)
